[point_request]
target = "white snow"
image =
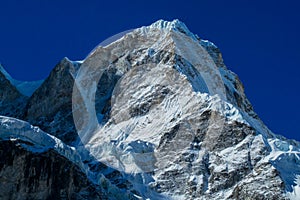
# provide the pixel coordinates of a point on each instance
(13, 129)
(207, 43)
(174, 25)
(295, 194)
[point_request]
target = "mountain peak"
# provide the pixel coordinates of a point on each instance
(175, 25)
(6, 74)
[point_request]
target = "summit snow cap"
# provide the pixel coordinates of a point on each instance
(175, 25)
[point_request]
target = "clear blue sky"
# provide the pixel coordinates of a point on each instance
(259, 39)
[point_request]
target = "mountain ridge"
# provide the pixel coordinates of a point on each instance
(25, 87)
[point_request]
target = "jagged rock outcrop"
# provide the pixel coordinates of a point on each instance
(12, 102)
(50, 106)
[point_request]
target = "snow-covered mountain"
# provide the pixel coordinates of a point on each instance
(154, 114)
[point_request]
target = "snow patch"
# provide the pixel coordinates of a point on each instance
(14, 129)
(167, 26)
(295, 194)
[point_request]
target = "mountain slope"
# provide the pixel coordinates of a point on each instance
(157, 115)
(12, 102)
(179, 113)
(24, 87)
(50, 106)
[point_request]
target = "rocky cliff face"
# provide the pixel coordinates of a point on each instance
(153, 115)
(50, 106)
(33, 175)
(12, 102)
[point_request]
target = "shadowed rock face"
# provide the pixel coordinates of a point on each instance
(12, 102)
(50, 106)
(29, 175)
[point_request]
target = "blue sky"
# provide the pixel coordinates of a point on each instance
(259, 41)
